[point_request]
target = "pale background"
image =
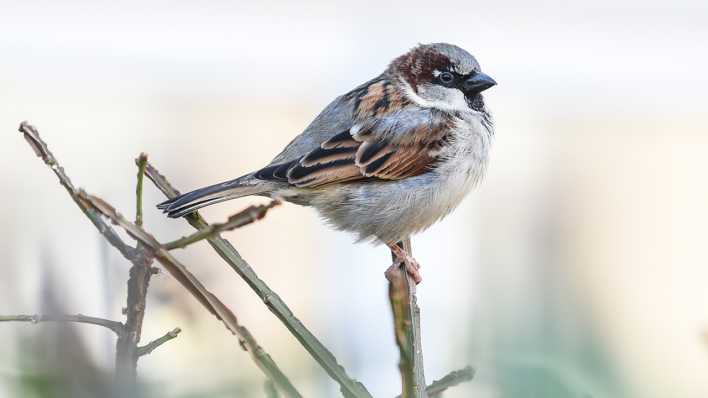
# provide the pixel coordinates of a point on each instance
(577, 269)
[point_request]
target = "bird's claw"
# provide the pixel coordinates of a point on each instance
(405, 259)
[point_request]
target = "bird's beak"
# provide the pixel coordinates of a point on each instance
(479, 82)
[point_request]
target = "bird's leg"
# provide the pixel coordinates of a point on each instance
(403, 257)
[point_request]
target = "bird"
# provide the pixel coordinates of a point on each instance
(385, 160)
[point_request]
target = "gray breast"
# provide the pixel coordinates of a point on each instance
(392, 210)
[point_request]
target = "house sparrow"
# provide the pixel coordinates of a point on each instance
(385, 160)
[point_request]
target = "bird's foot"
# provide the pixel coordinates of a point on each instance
(405, 259)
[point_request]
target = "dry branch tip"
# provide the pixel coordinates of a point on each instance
(151, 346)
(31, 135)
(436, 388)
(142, 161)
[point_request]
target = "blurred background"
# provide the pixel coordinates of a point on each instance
(577, 269)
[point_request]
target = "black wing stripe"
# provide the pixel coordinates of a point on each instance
(321, 155)
(343, 139)
(281, 173)
(369, 150)
(276, 172)
(374, 166)
(298, 172)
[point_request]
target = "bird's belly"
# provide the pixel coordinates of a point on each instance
(392, 210)
(389, 211)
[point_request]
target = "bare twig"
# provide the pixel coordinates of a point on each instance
(40, 149)
(142, 161)
(247, 216)
(147, 248)
(116, 327)
(126, 358)
(174, 267)
(406, 318)
(401, 291)
(348, 386)
(150, 347)
(436, 388)
(194, 286)
(127, 345)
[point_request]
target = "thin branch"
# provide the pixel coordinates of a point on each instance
(171, 264)
(127, 345)
(247, 216)
(452, 379)
(398, 295)
(194, 286)
(348, 386)
(151, 346)
(32, 137)
(406, 319)
(114, 326)
(140, 272)
(127, 351)
(148, 247)
(142, 161)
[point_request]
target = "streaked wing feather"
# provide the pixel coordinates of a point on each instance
(324, 173)
(370, 151)
(399, 165)
(372, 159)
(322, 155)
(387, 138)
(341, 140)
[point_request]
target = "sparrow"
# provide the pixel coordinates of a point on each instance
(385, 160)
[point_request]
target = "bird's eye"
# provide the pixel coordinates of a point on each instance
(446, 78)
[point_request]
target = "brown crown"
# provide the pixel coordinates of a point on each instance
(417, 65)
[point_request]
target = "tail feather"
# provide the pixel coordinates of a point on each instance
(191, 201)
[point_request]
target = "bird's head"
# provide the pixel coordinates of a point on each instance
(441, 76)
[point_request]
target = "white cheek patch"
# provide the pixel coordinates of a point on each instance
(457, 99)
(451, 98)
(454, 101)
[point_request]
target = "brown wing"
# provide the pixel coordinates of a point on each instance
(390, 140)
(345, 158)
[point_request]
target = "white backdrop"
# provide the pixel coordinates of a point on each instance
(577, 267)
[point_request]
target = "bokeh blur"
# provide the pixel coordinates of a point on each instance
(577, 269)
